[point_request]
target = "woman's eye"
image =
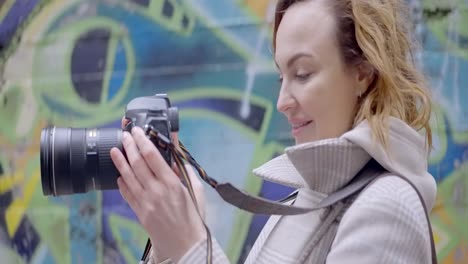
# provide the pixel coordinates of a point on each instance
(302, 76)
(280, 79)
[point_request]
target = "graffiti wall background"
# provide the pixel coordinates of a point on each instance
(77, 63)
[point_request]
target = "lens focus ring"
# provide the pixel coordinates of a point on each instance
(108, 138)
(78, 160)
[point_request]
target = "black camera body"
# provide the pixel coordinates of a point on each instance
(77, 160)
(154, 112)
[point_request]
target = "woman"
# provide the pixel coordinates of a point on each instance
(351, 94)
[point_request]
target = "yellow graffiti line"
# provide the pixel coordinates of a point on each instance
(34, 147)
(30, 152)
(440, 211)
(258, 7)
(8, 182)
(41, 21)
(445, 217)
(16, 210)
(437, 238)
(5, 8)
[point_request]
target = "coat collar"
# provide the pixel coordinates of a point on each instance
(323, 166)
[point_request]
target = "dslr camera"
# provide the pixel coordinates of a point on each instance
(77, 160)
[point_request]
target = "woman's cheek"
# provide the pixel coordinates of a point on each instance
(314, 92)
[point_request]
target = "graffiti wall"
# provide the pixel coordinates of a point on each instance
(77, 63)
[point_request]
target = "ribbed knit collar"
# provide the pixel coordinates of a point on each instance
(323, 166)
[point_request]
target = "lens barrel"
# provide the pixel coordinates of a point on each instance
(77, 160)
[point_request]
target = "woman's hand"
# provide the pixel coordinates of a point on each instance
(157, 196)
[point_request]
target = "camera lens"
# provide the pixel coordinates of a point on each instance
(77, 160)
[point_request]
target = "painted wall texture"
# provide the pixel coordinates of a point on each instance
(77, 63)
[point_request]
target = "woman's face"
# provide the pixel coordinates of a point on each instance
(318, 91)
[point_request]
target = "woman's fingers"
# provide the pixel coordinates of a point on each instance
(197, 186)
(137, 162)
(126, 172)
(127, 194)
(153, 158)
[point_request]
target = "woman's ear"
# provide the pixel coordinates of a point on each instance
(365, 75)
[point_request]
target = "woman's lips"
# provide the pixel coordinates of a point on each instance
(298, 127)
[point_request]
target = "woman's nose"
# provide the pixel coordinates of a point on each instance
(285, 101)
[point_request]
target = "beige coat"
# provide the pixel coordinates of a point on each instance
(386, 223)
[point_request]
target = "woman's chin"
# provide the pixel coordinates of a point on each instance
(304, 139)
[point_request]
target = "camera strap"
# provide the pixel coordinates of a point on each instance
(259, 205)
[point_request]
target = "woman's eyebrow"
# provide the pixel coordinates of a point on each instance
(295, 57)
